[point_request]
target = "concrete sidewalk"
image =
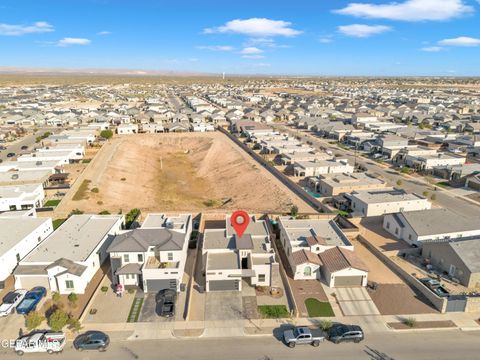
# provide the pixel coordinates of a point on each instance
(264, 327)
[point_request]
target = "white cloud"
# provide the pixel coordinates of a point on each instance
(409, 10)
(216, 48)
(265, 42)
(256, 27)
(251, 51)
(326, 39)
(73, 41)
(460, 41)
(432, 49)
(104, 33)
(253, 56)
(17, 30)
(363, 31)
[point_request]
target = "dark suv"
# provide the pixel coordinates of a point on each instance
(345, 333)
(165, 300)
(92, 340)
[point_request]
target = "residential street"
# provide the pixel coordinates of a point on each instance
(436, 345)
(443, 197)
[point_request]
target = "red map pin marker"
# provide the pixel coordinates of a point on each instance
(240, 221)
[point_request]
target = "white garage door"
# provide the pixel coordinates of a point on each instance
(28, 282)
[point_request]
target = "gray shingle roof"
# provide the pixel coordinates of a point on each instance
(139, 240)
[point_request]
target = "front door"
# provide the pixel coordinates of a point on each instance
(452, 270)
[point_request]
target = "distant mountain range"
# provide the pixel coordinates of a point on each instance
(124, 72)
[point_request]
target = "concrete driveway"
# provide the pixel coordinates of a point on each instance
(148, 312)
(223, 305)
(355, 301)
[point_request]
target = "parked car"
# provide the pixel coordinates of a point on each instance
(435, 286)
(2, 147)
(24, 147)
(345, 333)
(40, 341)
(165, 300)
(10, 155)
(31, 300)
(91, 340)
(302, 335)
(11, 300)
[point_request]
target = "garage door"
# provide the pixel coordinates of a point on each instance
(28, 282)
(157, 285)
(223, 285)
(348, 281)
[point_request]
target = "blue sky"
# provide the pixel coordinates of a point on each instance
(302, 37)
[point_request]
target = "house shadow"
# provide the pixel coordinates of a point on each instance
(278, 332)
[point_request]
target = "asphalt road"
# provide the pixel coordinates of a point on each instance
(16, 148)
(435, 345)
(417, 185)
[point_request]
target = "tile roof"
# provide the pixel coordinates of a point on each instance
(305, 256)
(336, 259)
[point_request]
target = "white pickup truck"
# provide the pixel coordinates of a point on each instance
(41, 341)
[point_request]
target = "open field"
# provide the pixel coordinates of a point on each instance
(176, 172)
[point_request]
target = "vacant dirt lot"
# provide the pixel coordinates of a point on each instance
(177, 172)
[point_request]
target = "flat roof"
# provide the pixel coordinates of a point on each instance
(438, 221)
(13, 191)
(385, 195)
(326, 229)
(255, 227)
(24, 177)
(15, 229)
(161, 221)
(217, 239)
(75, 239)
(224, 261)
(339, 180)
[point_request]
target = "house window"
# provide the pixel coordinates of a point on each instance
(409, 236)
(69, 284)
(126, 258)
(261, 277)
(307, 271)
(140, 257)
(396, 231)
(388, 225)
(170, 256)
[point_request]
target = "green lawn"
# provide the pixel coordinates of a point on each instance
(317, 308)
(57, 223)
(86, 161)
(52, 203)
(273, 311)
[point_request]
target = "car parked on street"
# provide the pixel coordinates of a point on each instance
(9, 155)
(303, 335)
(11, 300)
(92, 340)
(339, 333)
(24, 147)
(31, 300)
(165, 300)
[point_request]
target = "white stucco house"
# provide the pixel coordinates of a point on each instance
(19, 236)
(311, 245)
(418, 227)
(227, 258)
(21, 197)
(68, 259)
(153, 256)
(377, 202)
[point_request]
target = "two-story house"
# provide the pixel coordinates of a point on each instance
(153, 256)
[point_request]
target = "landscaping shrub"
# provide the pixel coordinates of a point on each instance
(72, 297)
(131, 217)
(104, 289)
(33, 320)
(325, 325)
(95, 190)
(104, 212)
(56, 297)
(58, 320)
(294, 211)
(410, 322)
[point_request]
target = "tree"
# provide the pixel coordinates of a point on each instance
(294, 210)
(106, 134)
(399, 182)
(425, 193)
(33, 320)
(58, 320)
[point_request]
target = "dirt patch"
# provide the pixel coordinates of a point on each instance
(181, 172)
(423, 325)
(400, 299)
